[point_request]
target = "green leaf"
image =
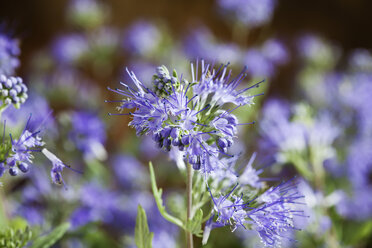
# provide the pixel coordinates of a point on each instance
(159, 202)
(50, 239)
(195, 224)
(142, 235)
(356, 232)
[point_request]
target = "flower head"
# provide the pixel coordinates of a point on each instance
(16, 154)
(57, 167)
(12, 91)
(187, 116)
(270, 214)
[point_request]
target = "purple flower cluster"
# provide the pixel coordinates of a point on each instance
(17, 154)
(271, 214)
(290, 131)
(12, 91)
(188, 116)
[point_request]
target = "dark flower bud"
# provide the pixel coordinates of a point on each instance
(13, 171)
(167, 144)
(185, 140)
(156, 137)
(24, 167)
(174, 133)
(2, 169)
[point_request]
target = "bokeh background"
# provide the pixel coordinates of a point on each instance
(316, 111)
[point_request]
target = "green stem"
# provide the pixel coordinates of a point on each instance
(189, 236)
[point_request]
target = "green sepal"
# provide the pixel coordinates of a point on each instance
(195, 224)
(15, 237)
(51, 238)
(142, 235)
(175, 73)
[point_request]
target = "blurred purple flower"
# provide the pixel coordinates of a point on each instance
(201, 43)
(86, 13)
(275, 51)
(358, 98)
(359, 163)
(258, 65)
(249, 12)
(70, 48)
(130, 172)
(105, 40)
(9, 52)
(358, 206)
(96, 204)
(88, 133)
(38, 107)
(361, 60)
(142, 38)
(279, 134)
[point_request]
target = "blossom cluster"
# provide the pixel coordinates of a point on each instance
(17, 154)
(270, 214)
(191, 118)
(188, 115)
(12, 91)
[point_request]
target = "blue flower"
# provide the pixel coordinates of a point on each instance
(188, 116)
(270, 214)
(16, 154)
(57, 167)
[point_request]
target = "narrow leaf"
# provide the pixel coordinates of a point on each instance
(50, 239)
(159, 202)
(142, 235)
(195, 224)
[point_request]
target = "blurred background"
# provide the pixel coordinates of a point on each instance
(314, 121)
